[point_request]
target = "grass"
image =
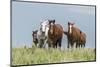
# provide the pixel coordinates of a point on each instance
(24, 56)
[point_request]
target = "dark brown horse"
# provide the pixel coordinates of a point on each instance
(75, 35)
(34, 36)
(55, 34)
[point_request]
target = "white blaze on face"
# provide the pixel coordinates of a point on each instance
(46, 32)
(70, 29)
(51, 30)
(51, 23)
(43, 28)
(44, 25)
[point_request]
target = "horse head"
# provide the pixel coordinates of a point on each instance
(70, 27)
(34, 34)
(51, 26)
(44, 27)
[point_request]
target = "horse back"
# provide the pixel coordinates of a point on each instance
(58, 29)
(79, 35)
(75, 33)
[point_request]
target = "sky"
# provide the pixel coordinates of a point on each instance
(26, 17)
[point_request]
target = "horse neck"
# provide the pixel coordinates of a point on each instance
(73, 30)
(52, 36)
(53, 30)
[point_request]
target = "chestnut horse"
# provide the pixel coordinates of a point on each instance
(55, 34)
(75, 35)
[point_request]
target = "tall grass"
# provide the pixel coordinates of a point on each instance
(24, 56)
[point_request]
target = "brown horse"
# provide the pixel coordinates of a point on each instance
(75, 35)
(55, 34)
(82, 40)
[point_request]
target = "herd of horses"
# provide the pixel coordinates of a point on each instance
(50, 33)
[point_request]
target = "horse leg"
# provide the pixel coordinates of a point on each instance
(83, 45)
(77, 44)
(68, 45)
(49, 44)
(71, 45)
(45, 43)
(60, 41)
(56, 43)
(41, 43)
(74, 44)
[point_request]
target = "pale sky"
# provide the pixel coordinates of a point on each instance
(26, 17)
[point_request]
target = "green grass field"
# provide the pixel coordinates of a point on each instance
(24, 56)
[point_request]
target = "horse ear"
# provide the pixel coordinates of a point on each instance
(68, 22)
(53, 21)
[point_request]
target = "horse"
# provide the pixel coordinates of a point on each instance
(43, 33)
(55, 34)
(34, 36)
(39, 36)
(75, 35)
(82, 40)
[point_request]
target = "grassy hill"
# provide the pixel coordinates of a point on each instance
(24, 56)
